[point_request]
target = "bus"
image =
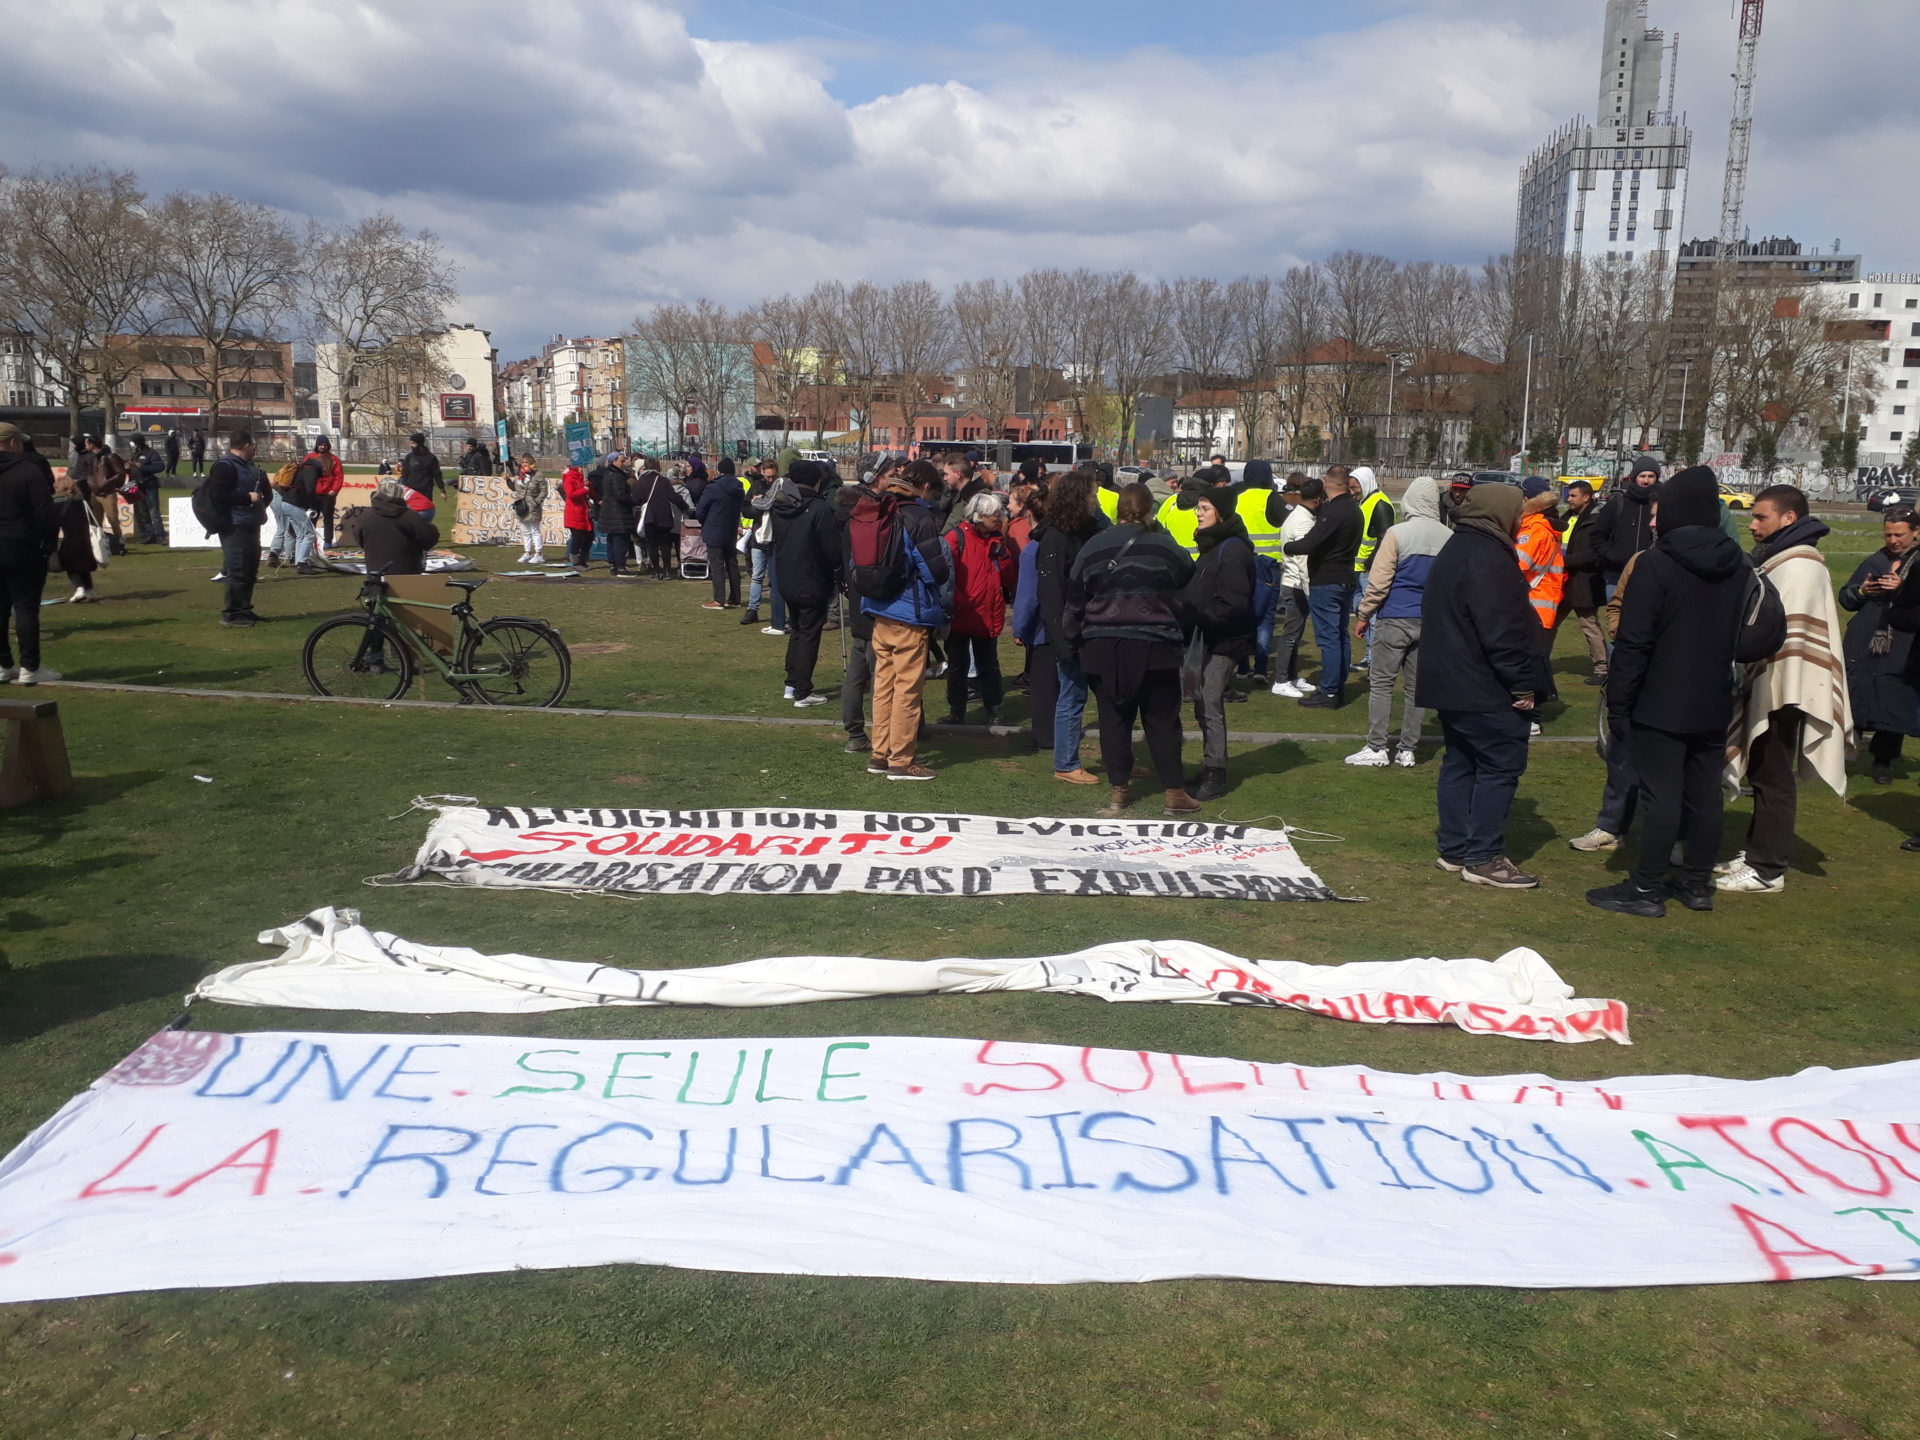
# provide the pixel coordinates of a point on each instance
(1056, 455)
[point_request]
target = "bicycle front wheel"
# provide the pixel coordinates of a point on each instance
(516, 662)
(358, 657)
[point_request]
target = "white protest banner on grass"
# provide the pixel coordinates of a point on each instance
(330, 961)
(873, 852)
(210, 1159)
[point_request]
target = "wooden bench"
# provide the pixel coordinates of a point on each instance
(35, 764)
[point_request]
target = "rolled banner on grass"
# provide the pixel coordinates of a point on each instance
(625, 851)
(331, 961)
(210, 1159)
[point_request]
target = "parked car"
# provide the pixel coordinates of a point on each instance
(1893, 497)
(1735, 499)
(1496, 477)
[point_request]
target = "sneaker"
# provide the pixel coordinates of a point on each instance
(1319, 700)
(1212, 785)
(772, 630)
(1233, 696)
(1533, 728)
(1595, 842)
(1288, 689)
(876, 767)
(1911, 843)
(218, 577)
(1727, 867)
(857, 745)
(310, 569)
(1696, 896)
(1627, 898)
(1598, 678)
(8, 673)
(1452, 867)
(1371, 758)
(752, 617)
(712, 605)
(1081, 776)
(1500, 873)
(956, 718)
(82, 596)
(1405, 759)
(239, 622)
(1743, 879)
(786, 692)
(909, 772)
(273, 561)
(42, 676)
(807, 702)
(1882, 773)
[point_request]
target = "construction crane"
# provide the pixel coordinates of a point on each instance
(1733, 199)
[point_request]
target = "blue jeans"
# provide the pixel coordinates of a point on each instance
(294, 539)
(1331, 606)
(1070, 718)
(762, 579)
(1486, 756)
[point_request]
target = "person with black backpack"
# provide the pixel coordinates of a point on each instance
(1670, 694)
(236, 496)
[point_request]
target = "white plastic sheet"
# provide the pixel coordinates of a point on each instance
(209, 1159)
(331, 961)
(774, 851)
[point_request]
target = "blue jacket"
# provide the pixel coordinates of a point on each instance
(1028, 628)
(718, 510)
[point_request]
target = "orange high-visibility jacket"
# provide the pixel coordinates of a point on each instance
(1544, 564)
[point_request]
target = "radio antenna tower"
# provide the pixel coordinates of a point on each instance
(1740, 135)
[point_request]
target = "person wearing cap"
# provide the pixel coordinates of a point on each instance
(1476, 669)
(420, 473)
(1668, 700)
(1543, 563)
(1454, 491)
(1623, 527)
(29, 527)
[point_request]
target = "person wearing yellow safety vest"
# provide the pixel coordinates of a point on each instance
(1263, 510)
(1376, 518)
(1586, 584)
(1543, 562)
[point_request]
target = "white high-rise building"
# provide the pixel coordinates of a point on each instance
(1616, 187)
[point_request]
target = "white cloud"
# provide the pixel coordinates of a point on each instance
(584, 157)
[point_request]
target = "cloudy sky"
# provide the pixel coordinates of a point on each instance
(583, 158)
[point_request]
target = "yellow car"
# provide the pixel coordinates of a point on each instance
(1735, 500)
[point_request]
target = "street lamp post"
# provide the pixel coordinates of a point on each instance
(1526, 402)
(1394, 362)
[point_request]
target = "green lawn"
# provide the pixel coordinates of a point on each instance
(117, 899)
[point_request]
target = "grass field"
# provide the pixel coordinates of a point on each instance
(116, 900)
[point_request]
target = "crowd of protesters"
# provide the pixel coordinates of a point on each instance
(1148, 600)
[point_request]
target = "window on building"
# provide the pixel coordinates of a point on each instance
(19, 397)
(172, 387)
(1914, 331)
(1877, 299)
(1853, 302)
(249, 359)
(252, 390)
(1913, 304)
(1902, 384)
(1911, 362)
(1899, 409)
(1896, 436)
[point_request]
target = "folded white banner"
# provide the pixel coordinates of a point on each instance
(871, 852)
(209, 1159)
(330, 961)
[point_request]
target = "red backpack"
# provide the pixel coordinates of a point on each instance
(875, 562)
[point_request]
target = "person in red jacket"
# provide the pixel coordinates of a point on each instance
(577, 517)
(330, 478)
(986, 566)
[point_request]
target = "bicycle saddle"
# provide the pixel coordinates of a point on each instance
(468, 585)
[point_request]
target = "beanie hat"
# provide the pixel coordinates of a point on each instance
(1690, 498)
(1221, 497)
(1536, 485)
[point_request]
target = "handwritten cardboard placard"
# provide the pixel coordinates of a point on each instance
(484, 513)
(617, 850)
(214, 1159)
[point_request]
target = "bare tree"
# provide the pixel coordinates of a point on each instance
(786, 326)
(1783, 360)
(662, 371)
(1086, 345)
(228, 274)
(1203, 338)
(77, 262)
(919, 344)
(853, 320)
(373, 292)
(1305, 313)
(1359, 288)
(721, 369)
(1135, 315)
(1254, 317)
(989, 340)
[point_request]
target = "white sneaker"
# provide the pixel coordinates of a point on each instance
(1727, 867)
(1370, 757)
(36, 677)
(773, 630)
(1404, 759)
(1533, 729)
(786, 692)
(1288, 689)
(1595, 841)
(1743, 879)
(814, 699)
(80, 596)
(8, 675)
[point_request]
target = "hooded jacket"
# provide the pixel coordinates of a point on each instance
(718, 510)
(615, 489)
(807, 544)
(1397, 582)
(29, 520)
(1219, 597)
(1673, 653)
(577, 514)
(395, 538)
(1624, 527)
(1477, 632)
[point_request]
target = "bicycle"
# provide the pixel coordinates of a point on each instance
(509, 660)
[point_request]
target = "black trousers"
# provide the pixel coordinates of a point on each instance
(985, 662)
(1681, 801)
(1544, 688)
(1043, 693)
(580, 547)
(723, 568)
(323, 507)
(20, 589)
(1773, 766)
(804, 623)
(1885, 746)
(1127, 692)
(240, 562)
(858, 681)
(658, 540)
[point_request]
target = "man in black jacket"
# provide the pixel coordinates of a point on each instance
(29, 527)
(807, 557)
(1585, 590)
(240, 490)
(1330, 548)
(1624, 525)
(1669, 698)
(420, 473)
(1477, 644)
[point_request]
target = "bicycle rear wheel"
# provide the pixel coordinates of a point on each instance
(516, 662)
(358, 657)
